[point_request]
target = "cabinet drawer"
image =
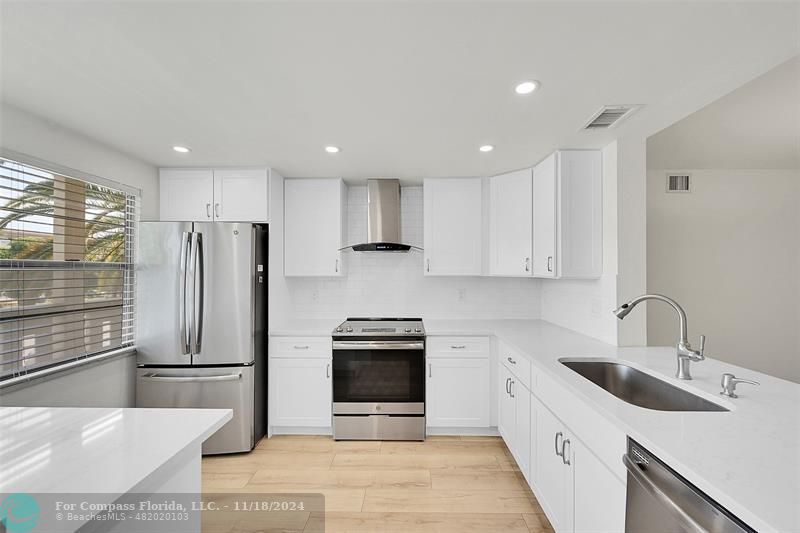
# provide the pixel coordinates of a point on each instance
(458, 347)
(300, 347)
(518, 364)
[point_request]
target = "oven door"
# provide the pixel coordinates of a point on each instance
(379, 377)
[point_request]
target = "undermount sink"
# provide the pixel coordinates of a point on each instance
(638, 388)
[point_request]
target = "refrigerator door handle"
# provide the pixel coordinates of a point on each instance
(182, 287)
(199, 292)
(192, 379)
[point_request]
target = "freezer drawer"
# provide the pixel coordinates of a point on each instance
(210, 388)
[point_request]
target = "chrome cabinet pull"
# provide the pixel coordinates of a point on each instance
(564, 451)
(508, 385)
(511, 361)
(428, 265)
(550, 263)
(457, 346)
(527, 264)
(558, 436)
(328, 370)
(208, 210)
(429, 370)
(304, 347)
(336, 268)
(511, 389)
(216, 210)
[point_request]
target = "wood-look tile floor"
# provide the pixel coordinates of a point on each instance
(442, 485)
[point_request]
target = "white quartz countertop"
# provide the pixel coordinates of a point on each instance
(94, 450)
(747, 459)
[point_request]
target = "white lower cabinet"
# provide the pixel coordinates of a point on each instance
(553, 475)
(300, 392)
(457, 382)
(506, 409)
(599, 496)
(457, 392)
(514, 418)
(300, 384)
(576, 490)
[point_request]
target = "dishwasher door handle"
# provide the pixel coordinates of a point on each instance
(662, 497)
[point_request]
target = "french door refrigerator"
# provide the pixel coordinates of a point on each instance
(201, 314)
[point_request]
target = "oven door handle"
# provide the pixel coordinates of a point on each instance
(378, 345)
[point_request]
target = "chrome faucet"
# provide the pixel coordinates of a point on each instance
(685, 352)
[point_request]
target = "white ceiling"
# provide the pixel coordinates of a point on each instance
(757, 126)
(407, 89)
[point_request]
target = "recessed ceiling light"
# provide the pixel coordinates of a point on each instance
(181, 149)
(527, 87)
(486, 148)
(332, 149)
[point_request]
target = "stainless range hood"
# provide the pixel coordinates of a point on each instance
(383, 218)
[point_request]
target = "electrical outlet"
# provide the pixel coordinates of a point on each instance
(462, 294)
(315, 295)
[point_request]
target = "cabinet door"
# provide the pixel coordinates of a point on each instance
(580, 214)
(599, 496)
(457, 392)
(510, 224)
(544, 218)
(453, 226)
(301, 392)
(506, 409)
(550, 468)
(313, 227)
(186, 194)
(522, 431)
(241, 195)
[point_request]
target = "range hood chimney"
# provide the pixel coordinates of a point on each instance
(383, 218)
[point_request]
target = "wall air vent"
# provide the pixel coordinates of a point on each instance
(678, 182)
(610, 116)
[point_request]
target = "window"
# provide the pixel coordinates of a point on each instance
(66, 268)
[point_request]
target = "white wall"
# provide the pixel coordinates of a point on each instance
(110, 383)
(585, 305)
(23, 132)
(729, 252)
(390, 284)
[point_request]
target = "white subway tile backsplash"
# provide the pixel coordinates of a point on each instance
(393, 284)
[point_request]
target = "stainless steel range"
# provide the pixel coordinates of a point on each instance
(379, 379)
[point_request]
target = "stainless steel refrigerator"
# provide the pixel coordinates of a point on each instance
(201, 308)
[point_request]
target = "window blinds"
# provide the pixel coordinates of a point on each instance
(66, 268)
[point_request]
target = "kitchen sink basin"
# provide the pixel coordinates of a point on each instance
(638, 388)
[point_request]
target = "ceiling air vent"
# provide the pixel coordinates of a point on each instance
(678, 182)
(609, 116)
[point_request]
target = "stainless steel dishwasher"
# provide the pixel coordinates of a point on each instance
(659, 500)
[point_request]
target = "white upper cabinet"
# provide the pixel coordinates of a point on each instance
(510, 224)
(187, 194)
(567, 215)
(214, 195)
(453, 220)
(241, 195)
(313, 226)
